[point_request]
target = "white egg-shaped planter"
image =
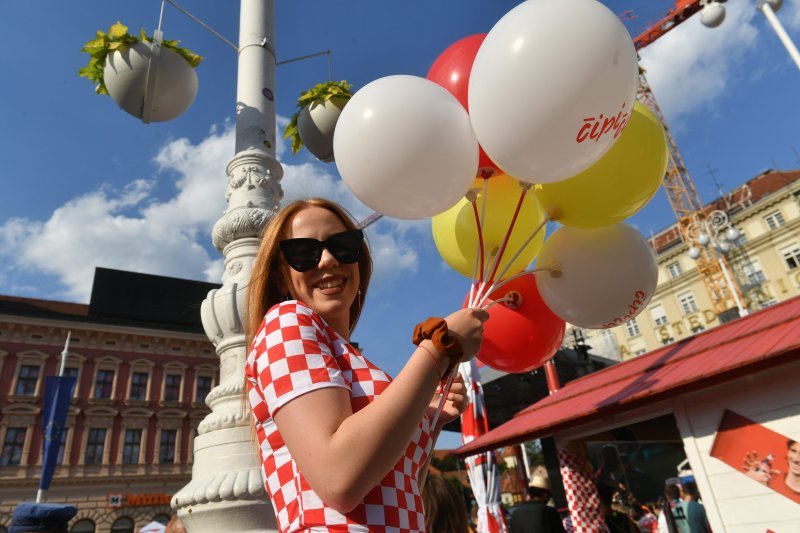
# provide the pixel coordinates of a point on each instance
(316, 124)
(172, 92)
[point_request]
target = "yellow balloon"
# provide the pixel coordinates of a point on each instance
(619, 184)
(456, 235)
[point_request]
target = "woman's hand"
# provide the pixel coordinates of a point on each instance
(753, 469)
(456, 403)
(466, 325)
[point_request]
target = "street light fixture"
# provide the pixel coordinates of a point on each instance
(716, 233)
(714, 13)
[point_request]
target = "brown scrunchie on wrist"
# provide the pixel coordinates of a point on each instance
(435, 329)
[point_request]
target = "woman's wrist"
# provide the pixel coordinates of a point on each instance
(438, 361)
(434, 332)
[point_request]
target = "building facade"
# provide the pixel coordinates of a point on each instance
(140, 393)
(764, 260)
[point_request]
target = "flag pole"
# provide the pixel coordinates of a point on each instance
(64, 354)
(58, 391)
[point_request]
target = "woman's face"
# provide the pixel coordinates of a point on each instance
(331, 287)
(793, 458)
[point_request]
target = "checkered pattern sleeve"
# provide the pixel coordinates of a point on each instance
(293, 355)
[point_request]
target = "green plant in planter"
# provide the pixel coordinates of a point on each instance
(321, 92)
(118, 38)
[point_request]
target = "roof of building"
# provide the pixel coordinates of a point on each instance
(762, 340)
(126, 299)
(766, 183)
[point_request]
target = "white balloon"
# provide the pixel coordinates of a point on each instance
(552, 87)
(599, 278)
(405, 147)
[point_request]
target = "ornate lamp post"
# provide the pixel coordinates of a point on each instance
(226, 492)
(713, 15)
(716, 234)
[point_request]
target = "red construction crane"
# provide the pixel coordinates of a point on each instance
(681, 192)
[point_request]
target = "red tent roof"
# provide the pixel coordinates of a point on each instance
(761, 340)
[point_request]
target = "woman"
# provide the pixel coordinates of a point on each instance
(344, 447)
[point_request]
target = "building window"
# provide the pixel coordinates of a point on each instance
(104, 384)
(687, 303)
(131, 447)
(83, 526)
(62, 447)
(658, 315)
(633, 328)
(774, 220)
(12, 446)
(172, 388)
(72, 372)
(791, 254)
(122, 525)
(161, 519)
(674, 269)
(139, 385)
(203, 388)
(26, 382)
(752, 270)
(95, 443)
(166, 451)
(640, 351)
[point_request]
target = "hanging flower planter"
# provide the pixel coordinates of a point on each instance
(313, 124)
(150, 78)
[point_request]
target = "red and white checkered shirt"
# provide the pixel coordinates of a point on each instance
(295, 351)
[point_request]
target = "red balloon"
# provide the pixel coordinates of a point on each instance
(520, 338)
(451, 70)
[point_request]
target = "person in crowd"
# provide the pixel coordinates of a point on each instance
(566, 521)
(342, 444)
(445, 511)
(534, 515)
(695, 511)
(649, 520)
(673, 517)
(175, 526)
(617, 520)
(644, 518)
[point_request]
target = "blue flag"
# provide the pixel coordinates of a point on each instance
(58, 395)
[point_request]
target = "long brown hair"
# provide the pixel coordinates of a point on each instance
(445, 511)
(269, 271)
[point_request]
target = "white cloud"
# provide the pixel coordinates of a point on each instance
(136, 229)
(792, 9)
(691, 66)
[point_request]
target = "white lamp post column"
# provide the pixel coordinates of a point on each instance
(226, 492)
(766, 7)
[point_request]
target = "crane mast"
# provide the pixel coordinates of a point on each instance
(678, 185)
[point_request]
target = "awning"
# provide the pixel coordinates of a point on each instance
(761, 340)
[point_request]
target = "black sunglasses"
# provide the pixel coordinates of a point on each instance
(303, 254)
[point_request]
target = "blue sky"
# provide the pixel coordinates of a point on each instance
(87, 185)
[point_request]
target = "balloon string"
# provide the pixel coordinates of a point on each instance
(482, 246)
(501, 300)
(445, 392)
(479, 222)
(478, 255)
(500, 284)
(502, 249)
(521, 249)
